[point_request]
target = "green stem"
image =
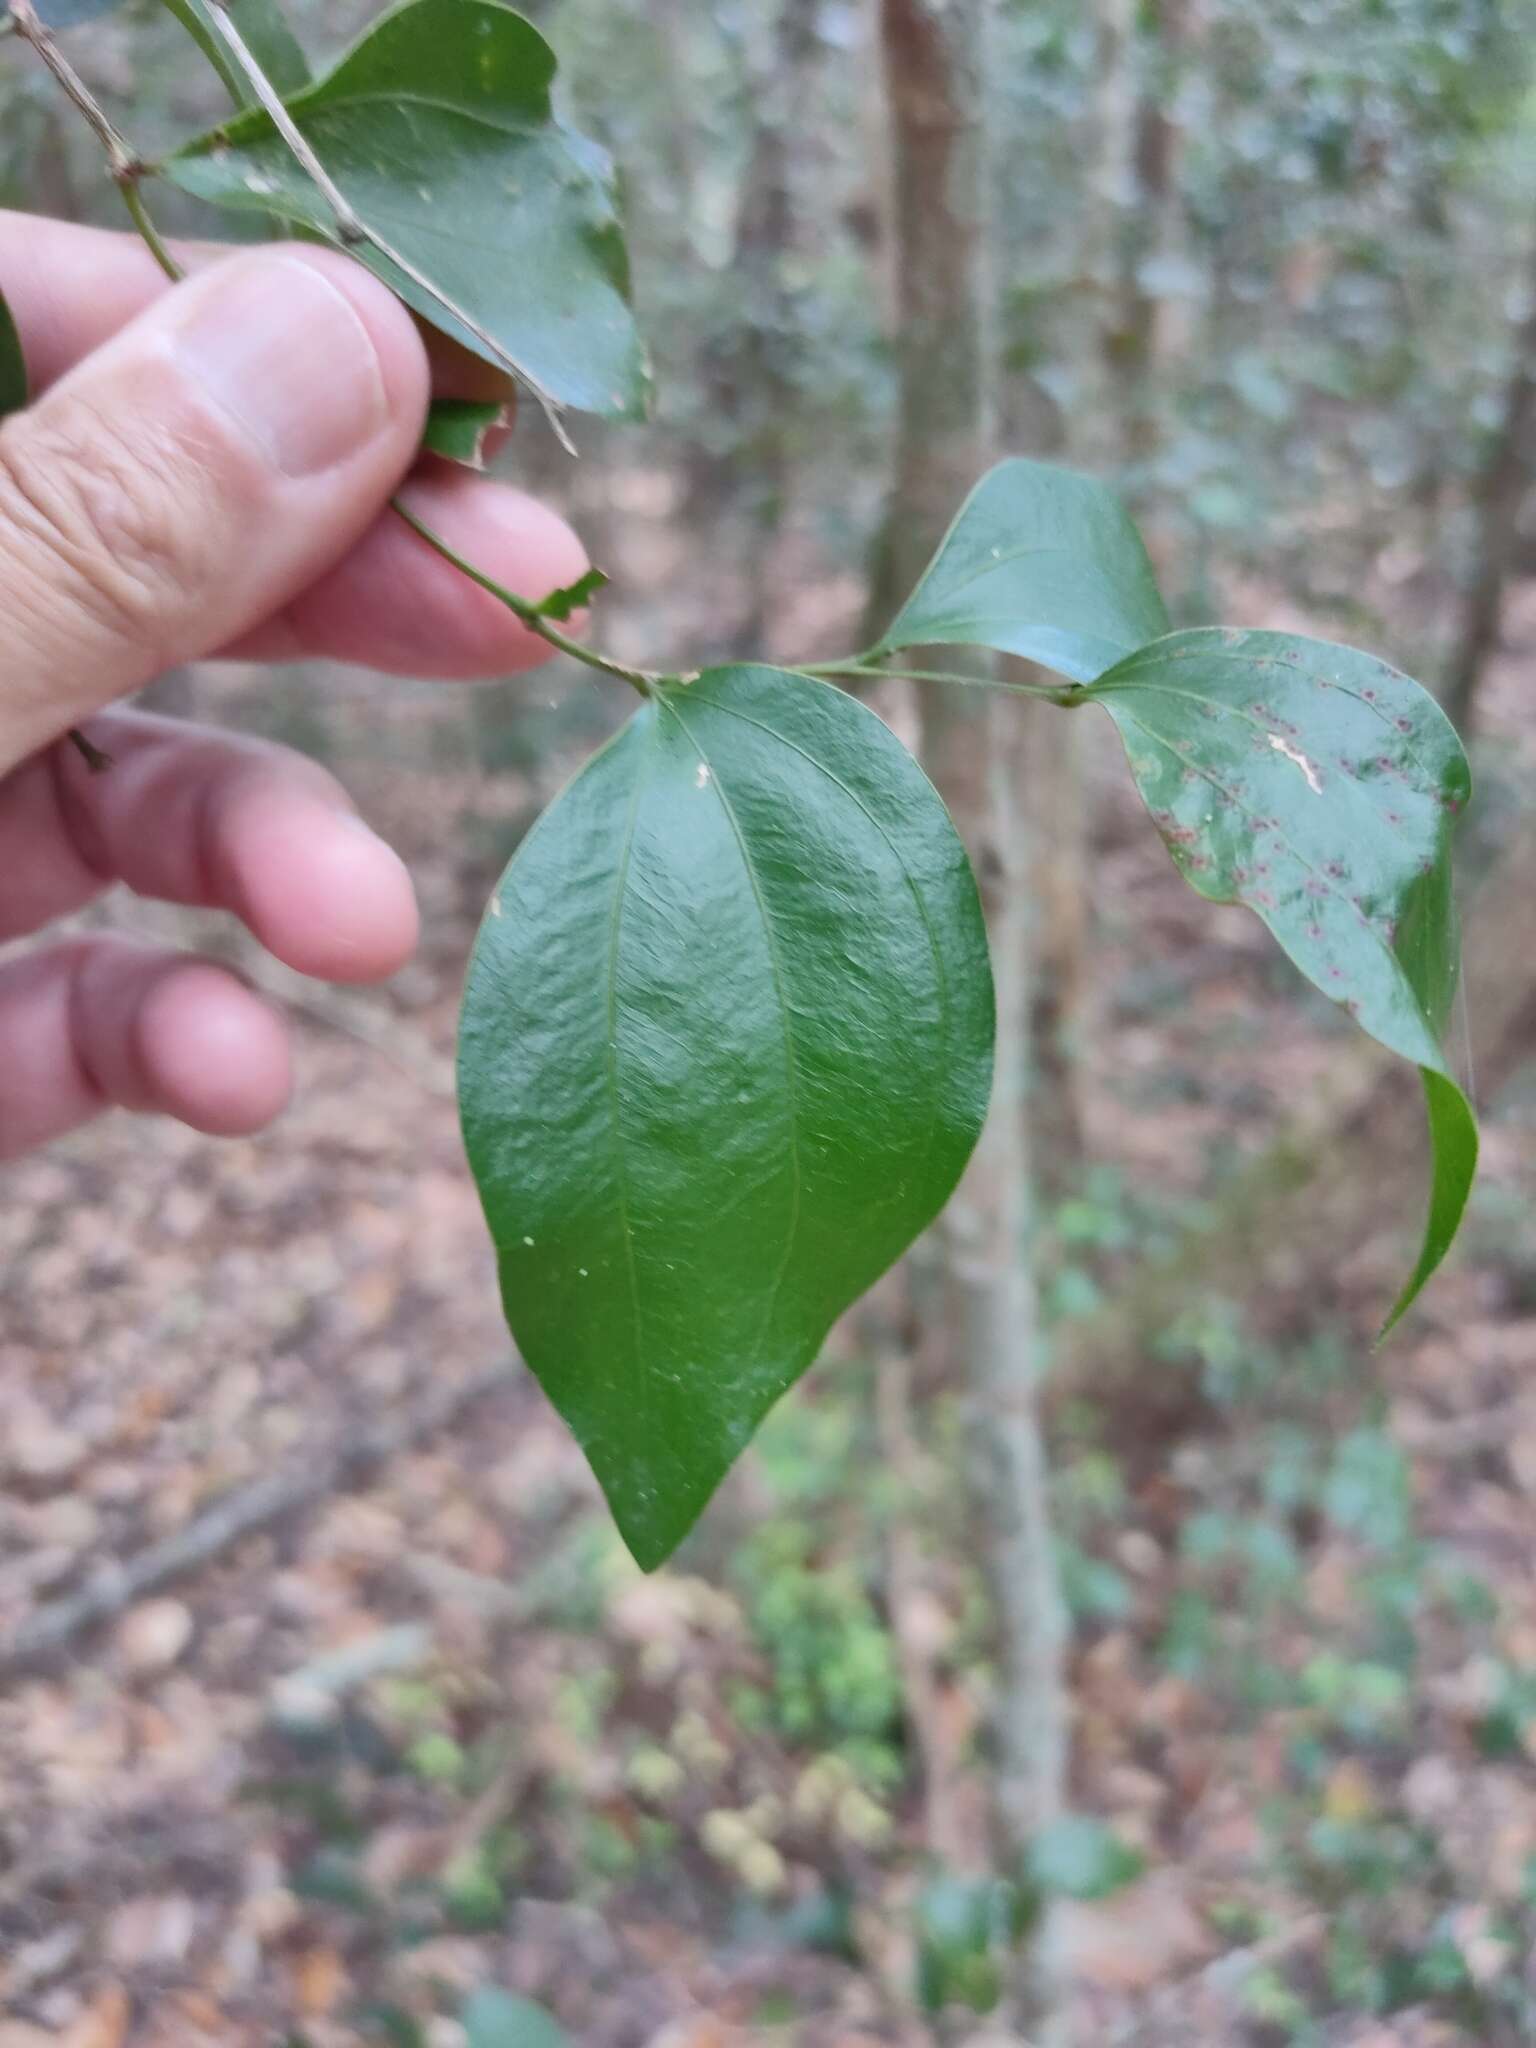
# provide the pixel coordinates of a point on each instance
(870, 672)
(138, 212)
(94, 757)
(638, 679)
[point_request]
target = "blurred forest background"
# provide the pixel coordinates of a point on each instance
(332, 1710)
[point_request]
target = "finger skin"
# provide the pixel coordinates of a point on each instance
(391, 604)
(103, 1023)
(71, 288)
(210, 820)
(194, 474)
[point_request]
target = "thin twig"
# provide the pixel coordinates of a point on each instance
(352, 228)
(348, 226)
(638, 679)
(124, 163)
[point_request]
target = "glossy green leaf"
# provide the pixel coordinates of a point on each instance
(1321, 788)
(495, 2019)
(726, 1047)
(1040, 562)
(267, 36)
(457, 428)
(13, 364)
(488, 216)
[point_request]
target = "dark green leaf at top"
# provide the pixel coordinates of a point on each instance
(487, 216)
(1040, 562)
(13, 364)
(1321, 788)
(726, 1047)
(266, 35)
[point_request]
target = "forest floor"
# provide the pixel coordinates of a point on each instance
(433, 1731)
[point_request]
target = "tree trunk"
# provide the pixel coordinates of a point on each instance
(934, 62)
(1500, 492)
(766, 227)
(1146, 43)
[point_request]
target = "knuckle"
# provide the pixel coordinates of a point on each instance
(112, 516)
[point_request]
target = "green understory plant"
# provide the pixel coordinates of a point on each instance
(726, 1042)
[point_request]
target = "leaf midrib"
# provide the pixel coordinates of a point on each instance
(611, 1044)
(791, 1061)
(1237, 656)
(946, 1016)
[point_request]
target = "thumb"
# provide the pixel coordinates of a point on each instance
(193, 475)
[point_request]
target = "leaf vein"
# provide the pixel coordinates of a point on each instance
(1301, 860)
(791, 1063)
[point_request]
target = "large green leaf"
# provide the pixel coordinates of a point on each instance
(725, 1050)
(13, 364)
(490, 218)
(1321, 788)
(1040, 562)
(266, 34)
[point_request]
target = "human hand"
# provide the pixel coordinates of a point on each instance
(206, 470)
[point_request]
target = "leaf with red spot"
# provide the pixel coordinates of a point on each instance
(1321, 788)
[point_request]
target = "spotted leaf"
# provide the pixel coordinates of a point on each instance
(1321, 788)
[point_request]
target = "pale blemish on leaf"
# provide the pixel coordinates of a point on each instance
(1281, 746)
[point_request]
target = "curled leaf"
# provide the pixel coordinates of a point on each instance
(456, 429)
(1321, 788)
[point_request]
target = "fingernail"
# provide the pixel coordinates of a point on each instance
(284, 353)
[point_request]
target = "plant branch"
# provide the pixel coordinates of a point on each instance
(125, 164)
(638, 679)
